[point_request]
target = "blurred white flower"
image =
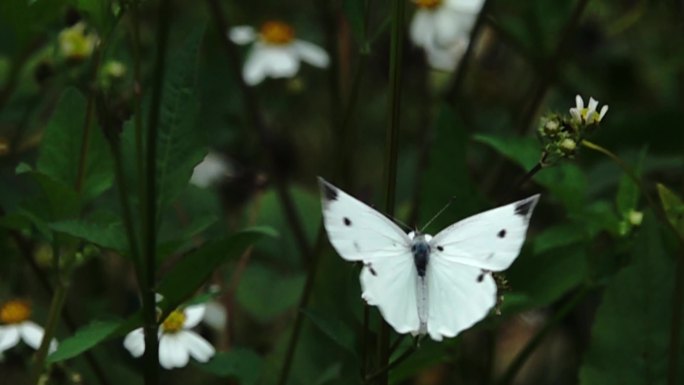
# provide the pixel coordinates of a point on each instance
(176, 342)
(75, 43)
(442, 28)
(216, 316)
(15, 325)
(210, 170)
(587, 115)
(276, 52)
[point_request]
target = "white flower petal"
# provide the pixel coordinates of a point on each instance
(193, 315)
(593, 103)
(604, 109)
(422, 28)
(135, 342)
(255, 69)
(31, 333)
(9, 337)
(469, 6)
(446, 59)
(282, 62)
(242, 34)
(579, 103)
(576, 114)
(172, 351)
(450, 26)
(216, 316)
(311, 53)
(209, 171)
(198, 347)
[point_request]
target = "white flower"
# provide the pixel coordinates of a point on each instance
(176, 342)
(216, 316)
(442, 28)
(210, 170)
(14, 316)
(587, 115)
(276, 52)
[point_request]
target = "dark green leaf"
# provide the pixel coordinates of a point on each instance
(265, 293)
(630, 336)
(242, 364)
(194, 270)
(628, 191)
(108, 235)
(180, 141)
(60, 151)
(334, 329)
(673, 207)
(84, 339)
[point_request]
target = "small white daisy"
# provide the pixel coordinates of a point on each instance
(210, 170)
(442, 28)
(276, 52)
(15, 326)
(176, 342)
(587, 115)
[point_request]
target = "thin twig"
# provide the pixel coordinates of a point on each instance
(382, 372)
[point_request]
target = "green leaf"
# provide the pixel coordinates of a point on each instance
(180, 140)
(108, 235)
(194, 270)
(673, 207)
(243, 364)
(630, 336)
(628, 191)
(84, 339)
(334, 329)
(60, 151)
(265, 293)
(558, 236)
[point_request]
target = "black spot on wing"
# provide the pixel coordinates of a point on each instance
(502, 233)
(480, 277)
(524, 207)
(440, 248)
(347, 221)
(329, 191)
(372, 271)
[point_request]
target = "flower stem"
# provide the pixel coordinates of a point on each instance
(54, 315)
(391, 148)
(382, 372)
(531, 346)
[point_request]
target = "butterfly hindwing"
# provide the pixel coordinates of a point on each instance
(490, 240)
(360, 233)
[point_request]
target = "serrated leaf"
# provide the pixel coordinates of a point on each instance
(84, 339)
(630, 335)
(180, 139)
(673, 207)
(107, 235)
(243, 364)
(334, 329)
(194, 270)
(61, 147)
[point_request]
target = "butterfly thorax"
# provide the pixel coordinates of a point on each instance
(420, 248)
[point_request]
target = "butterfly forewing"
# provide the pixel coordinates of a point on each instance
(490, 240)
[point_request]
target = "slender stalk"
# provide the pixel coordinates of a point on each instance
(382, 372)
(391, 148)
(137, 105)
(149, 229)
(54, 315)
(534, 343)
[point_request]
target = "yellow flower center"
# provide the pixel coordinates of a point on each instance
(14, 312)
(174, 322)
(276, 32)
(429, 4)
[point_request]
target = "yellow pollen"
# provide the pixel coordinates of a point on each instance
(429, 4)
(276, 33)
(174, 322)
(14, 312)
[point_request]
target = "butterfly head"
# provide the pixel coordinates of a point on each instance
(420, 248)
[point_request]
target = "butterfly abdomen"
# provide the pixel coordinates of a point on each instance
(421, 255)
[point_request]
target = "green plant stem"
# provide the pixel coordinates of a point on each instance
(54, 315)
(137, 105)
(382, 372)
(678, 295)
(510, 374)
(391, 148)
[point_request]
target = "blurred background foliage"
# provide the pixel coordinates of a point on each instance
(592, 298)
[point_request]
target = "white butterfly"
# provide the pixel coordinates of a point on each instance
(437, 285)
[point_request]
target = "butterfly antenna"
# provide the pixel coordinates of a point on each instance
(400, 223)
(446, 206)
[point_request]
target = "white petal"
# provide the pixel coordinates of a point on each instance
(593, 103)
(579, 103)
(135, 342)
(422, 27)
(242, 34)
(9, 337)
(604, 109)
(446, 59)
(575, 113)
(31, 333)
(255, 69)
(209, 171)
(281, 62)
(198, 347)
(469, 6)
(172, 352)
(311, 53)
(193, 315)
(450, 27)
(216, 316)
